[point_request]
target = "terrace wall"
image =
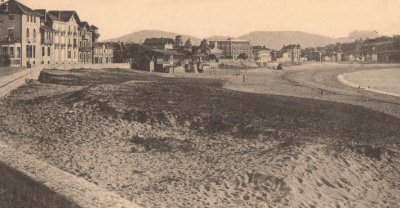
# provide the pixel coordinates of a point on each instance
(87, 66)
(29, 182)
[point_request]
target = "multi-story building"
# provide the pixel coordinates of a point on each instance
(103, 53)
(159, 43)
(232, 48)
(65, 25)
(292, 53)
(20, 33)
(85, 43)
(32, 37)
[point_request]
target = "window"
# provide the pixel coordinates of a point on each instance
(11, 32)
(27, 32)
(12, 52)
(18, 52)
(34, 19)
(34, 33)
(69, 54)
(48, 51)
(27, 18)
(34, 51)
(43, 51)
(28, 51)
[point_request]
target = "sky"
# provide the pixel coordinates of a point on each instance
(204, 18)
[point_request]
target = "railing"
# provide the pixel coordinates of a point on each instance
(47, 41)
(69, 45)
(85, 48)
(75, 45)
(62, 45)
(62, 32)
(70, 33)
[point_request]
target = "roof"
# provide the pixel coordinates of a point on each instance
(288, 47)
(53, 18)
(46, 28)
(15, 7)
(84, 24)
(93, 27)
(188, 43)
(159, 41)
(65, 16)
(168, 52)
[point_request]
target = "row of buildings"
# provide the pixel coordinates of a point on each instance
(31, 37)
(379, 49)
(164, 53)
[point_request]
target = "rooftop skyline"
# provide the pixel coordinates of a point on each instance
(232, 17)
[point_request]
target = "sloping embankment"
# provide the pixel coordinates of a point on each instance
(33, 183)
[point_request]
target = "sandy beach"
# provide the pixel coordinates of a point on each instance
(156, 143)
(384, 81)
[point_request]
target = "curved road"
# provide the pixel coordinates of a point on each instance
(317, 81)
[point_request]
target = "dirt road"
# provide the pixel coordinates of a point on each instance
(317, 81)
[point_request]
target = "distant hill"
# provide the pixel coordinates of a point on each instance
(276, 39)
(218, 37)
(271, 39)
(140, 36)
(359, 34)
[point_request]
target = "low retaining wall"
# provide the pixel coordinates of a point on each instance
(34, 183)
(13, 81)
(87, 66)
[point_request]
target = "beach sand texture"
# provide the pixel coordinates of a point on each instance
(381, 81)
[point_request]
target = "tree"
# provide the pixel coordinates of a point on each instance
(243, 56)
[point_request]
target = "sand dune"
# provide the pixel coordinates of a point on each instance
(170, 148)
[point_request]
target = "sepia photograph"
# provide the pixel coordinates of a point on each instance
(199, 104)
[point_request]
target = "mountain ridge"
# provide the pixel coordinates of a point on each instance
(271, 39)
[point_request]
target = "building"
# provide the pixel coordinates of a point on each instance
(291, 53)
(31, 37)
(232, 48)
(85, 43)
(65, 24)
(103, 53)
(159, 43)
(20, 36)
(262, 57)
(178, 41)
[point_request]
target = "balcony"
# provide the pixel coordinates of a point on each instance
(86, 37)
(69, 45)
(62, 33)
(75, 46)
(62, 45)
(47, 41)
(70, 33)
(57, 45)
(85, 49)
(75, 34)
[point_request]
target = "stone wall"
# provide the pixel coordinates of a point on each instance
(28, 182)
